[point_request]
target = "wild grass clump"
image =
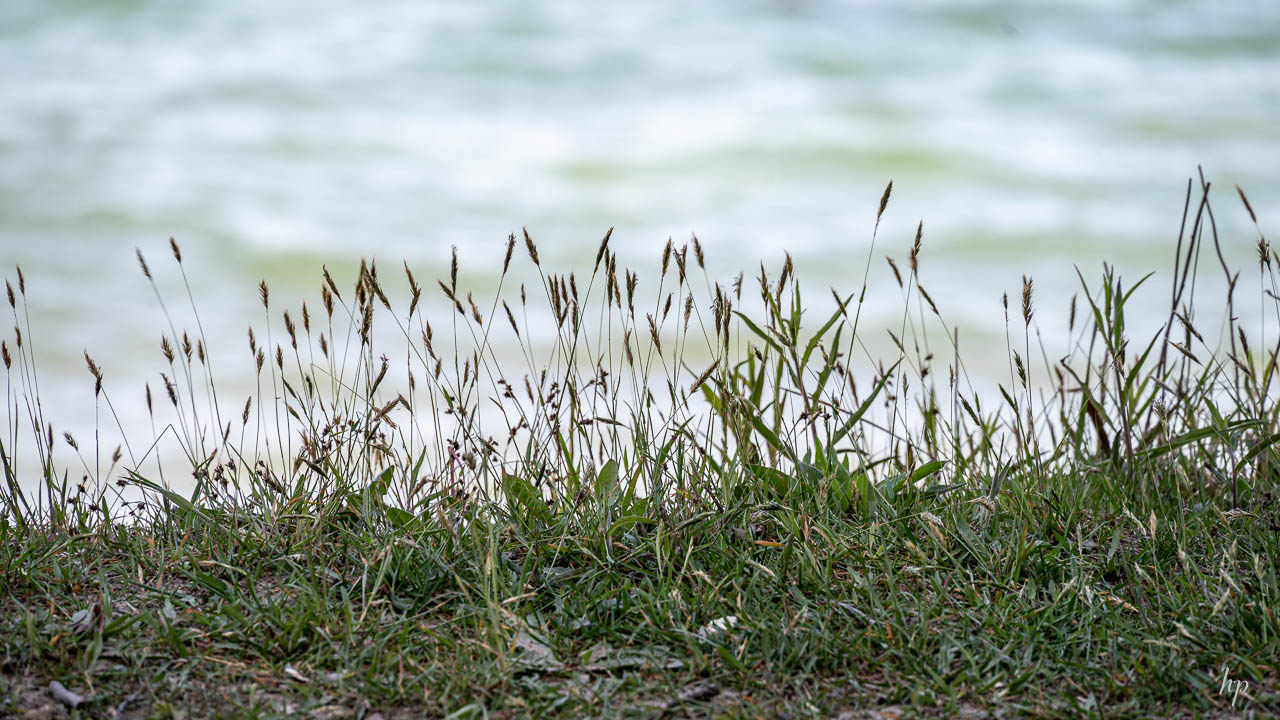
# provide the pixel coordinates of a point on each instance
(661, 486)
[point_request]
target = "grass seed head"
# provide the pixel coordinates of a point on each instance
(913, 259)
(97, 373)
(1027, 310)
(511, 318)
(894, 266)
(142, 263)
(604, 247)
(1247, 206)
(533, 249)
(328, 280)
(884, 201)
(925, 294)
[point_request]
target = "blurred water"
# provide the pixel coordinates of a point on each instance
(271, 138)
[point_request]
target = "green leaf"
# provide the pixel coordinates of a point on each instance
(627, 522)
(1258, 447)
(866, 404)
(776, 481)
(817, 337)
(772, 438)
(927, 469)
(607, 481)
(399, 518)
(169, 495)
(522, 494)
(756, 329)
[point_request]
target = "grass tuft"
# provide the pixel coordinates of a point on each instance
(586, 502)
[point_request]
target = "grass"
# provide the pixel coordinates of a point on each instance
(697, 499)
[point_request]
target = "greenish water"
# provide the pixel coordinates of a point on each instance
(272, 138)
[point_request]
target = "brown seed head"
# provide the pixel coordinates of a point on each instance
(511, 246)
(894, 266)
(604, 246)
(326, 295)
(170, 389)
(93, 367)
(511, 318)
(884, 200)
(1026, 300)
(533, 249)
(333, 287)
(177, 252)
(1245, 200)
(142, 262)
(928, 299)
(914, 258)
(703, 377)
(653, 334)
